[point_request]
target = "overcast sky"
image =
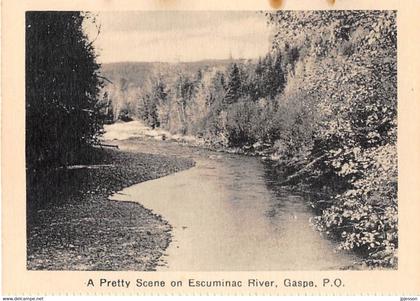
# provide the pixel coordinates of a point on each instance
(172, 36)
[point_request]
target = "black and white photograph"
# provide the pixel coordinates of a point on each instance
(235, 140)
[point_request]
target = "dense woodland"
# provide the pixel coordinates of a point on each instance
(322, 104)
(63, 114)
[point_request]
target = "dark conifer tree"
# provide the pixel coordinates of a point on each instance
(233, 92)
(62, 86)
(277, 75)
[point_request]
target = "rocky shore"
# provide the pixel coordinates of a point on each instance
(72, 225)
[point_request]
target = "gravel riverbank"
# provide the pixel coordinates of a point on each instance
(72, 225)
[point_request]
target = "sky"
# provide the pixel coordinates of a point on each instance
(174, 36)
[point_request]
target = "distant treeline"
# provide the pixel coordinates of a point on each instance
(323, 101)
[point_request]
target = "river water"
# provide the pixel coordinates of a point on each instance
(228, 214)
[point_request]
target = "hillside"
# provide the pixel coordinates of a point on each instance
(137, 73)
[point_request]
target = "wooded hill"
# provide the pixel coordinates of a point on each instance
(138, 73)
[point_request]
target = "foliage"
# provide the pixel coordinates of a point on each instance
(233, 91)
(62, 86)
(149, 102)
(349, 77)
(240, 128)
(365, 216)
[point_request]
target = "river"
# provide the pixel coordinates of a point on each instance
(228, 214)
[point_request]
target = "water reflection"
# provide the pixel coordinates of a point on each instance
(229, 214)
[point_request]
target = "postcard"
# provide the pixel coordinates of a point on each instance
(195, 147)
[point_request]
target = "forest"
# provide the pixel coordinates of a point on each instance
(322, 104)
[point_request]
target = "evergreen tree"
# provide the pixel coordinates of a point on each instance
(233, 92)
(276, 75)
(159, 95)
(62, 86)
(160, 92)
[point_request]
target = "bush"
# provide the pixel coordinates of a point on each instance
(340, 102)
(240, 126)
(365, 216)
